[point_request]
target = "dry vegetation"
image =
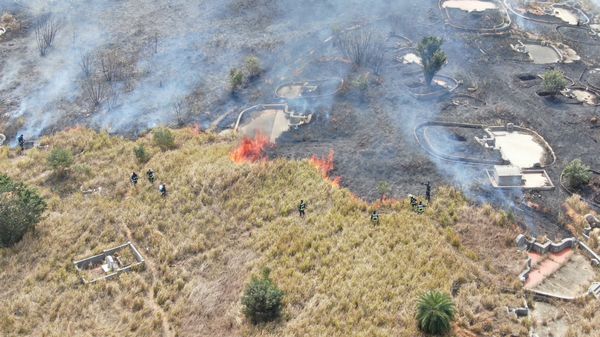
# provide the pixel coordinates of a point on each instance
(222, 223)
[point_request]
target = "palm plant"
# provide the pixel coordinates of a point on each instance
(435, 312)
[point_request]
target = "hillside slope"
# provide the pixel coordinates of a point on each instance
(223, 222)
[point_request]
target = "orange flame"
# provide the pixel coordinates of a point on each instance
(196, 130)
(251, 150)
(325, 166)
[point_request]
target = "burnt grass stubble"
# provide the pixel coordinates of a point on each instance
(372, 133)
(372, 137)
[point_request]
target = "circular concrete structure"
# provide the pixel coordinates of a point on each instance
(309, 89)
(459, 12)
(583, 35)
(444, 85)
(551, 13)
(518, 146)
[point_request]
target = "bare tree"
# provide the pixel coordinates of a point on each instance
(86, 65)
(95, 91)
(110, 66)
(112, 98)
(45, 33)
(363, 47)
(179, 108)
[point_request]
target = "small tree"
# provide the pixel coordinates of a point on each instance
(20, 210)
(253, 67)
(435, 312)
(577, 174)
(164, 139)
(236, 79)
(432, 57)
(141, 155)
(60, 160)
(262, 299)
(554, 82)
(383, 188)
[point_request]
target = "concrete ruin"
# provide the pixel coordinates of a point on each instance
(521, 153)
(521, 147)
(566, 270)
(508, 177)
(271, 120)
(441, 86)
(309, 89)
(545, 52)
(487, 17)
(108, 264)
(548, 12)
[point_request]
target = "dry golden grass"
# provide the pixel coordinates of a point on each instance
(222, 222)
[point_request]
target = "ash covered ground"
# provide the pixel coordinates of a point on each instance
(174, 59)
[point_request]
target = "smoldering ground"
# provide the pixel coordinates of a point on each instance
(172, 59)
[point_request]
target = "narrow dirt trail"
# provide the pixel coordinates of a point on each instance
(166, 328)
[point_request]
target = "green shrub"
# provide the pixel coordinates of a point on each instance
(60, 160)
(432, 56)
(361, 83)
(554, 82)
(577, 174)
(383, 187)
(435, 312)
(262, 299)
(20, 210)
(141, 155)
(236, 79)
(163, 138)
(253, 67)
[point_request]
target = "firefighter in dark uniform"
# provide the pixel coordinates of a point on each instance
(375, 217)
(151, 176)
(21, 141)
(134, 178)
(163, 190)
(302, 208)
(428, 191)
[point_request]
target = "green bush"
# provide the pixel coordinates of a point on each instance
(60, 160)
(577, 174)
(20, 210)
(236, 79)
(435, 312)
(141, 155)
(554, 82)
(262, 299)
(432, 56)
(164, 139)
(253, 67)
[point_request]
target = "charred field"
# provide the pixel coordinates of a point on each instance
(125, 68)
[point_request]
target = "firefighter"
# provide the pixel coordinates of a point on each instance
(428, 191)
(151, 176)
(302, 208)
(420, 208)
(375, 217)
(134, 178)
(21, 141)
(162, 189)
(413, 200)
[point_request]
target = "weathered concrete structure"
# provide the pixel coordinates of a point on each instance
(560, 261)
(109, 263)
